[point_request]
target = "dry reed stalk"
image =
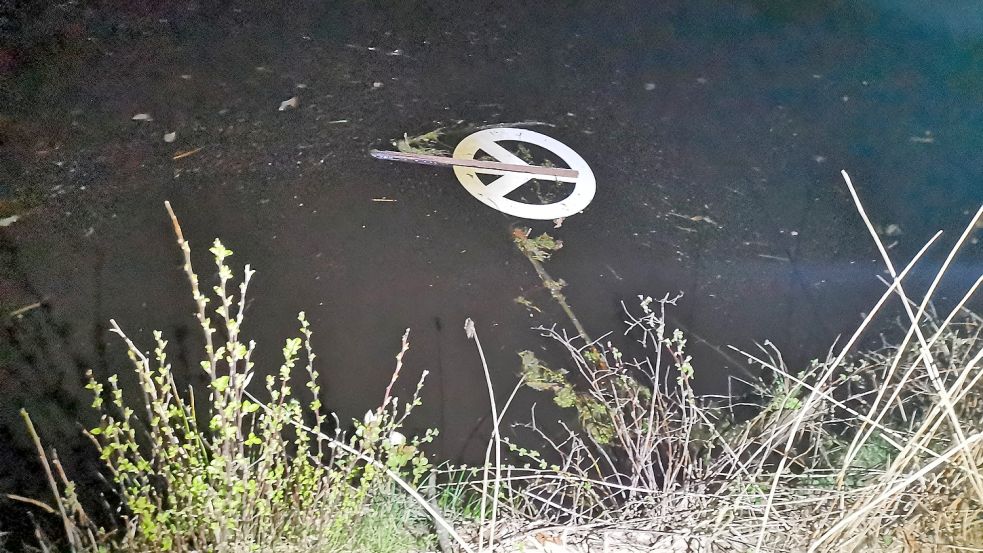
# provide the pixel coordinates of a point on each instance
(70, 530)
(926, 358)
(495, 440)
(862, 436)
(945, 398)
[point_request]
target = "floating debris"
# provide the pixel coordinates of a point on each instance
(432, 143)
(181, 155)
(426, 143)
(170, 137)
(889, 230)
(7, 221)
(142, 117)
(289, 104)
(775, 257)
(696, 218)
(383, 199)
(521, 300)
(926, 139)
(21, 311)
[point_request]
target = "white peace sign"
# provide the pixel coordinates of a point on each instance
(493, 194)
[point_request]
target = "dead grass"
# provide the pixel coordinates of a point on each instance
(858, 452)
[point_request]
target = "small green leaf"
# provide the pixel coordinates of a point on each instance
(221, 384)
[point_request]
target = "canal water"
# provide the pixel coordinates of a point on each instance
(716, 132)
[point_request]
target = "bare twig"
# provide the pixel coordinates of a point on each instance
(66, 521)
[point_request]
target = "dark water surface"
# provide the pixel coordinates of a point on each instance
(737, 112)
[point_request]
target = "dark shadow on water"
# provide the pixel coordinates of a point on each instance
(42, 372)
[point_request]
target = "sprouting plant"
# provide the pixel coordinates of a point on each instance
(539, 248)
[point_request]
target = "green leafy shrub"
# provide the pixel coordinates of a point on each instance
(234, 473)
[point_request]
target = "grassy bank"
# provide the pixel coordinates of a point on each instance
(862, 451)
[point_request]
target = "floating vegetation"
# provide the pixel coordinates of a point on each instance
(439, 141)
(521, 300)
